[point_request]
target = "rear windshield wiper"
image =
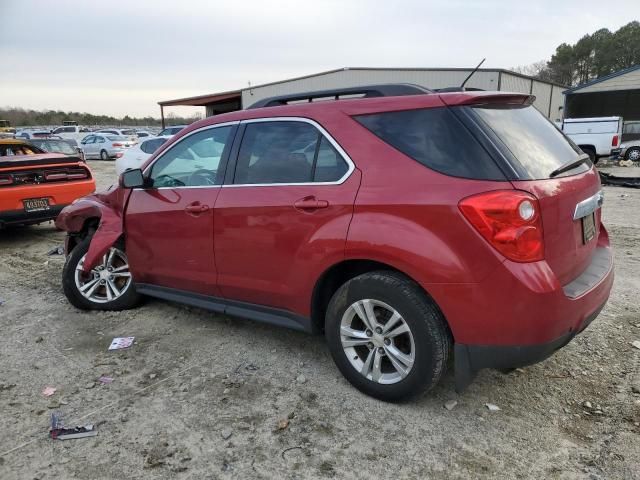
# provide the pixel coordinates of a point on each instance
(569, 166)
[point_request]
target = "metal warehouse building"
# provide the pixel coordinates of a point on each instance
(549, 98)
(617, 95)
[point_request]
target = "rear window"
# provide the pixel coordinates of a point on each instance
(115, 138)
(536, 145)
(150, 146)
(128, 132)
(435, 138)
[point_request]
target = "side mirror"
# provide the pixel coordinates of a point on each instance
(132, 179)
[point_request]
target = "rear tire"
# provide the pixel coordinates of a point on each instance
(592, 154)
(386, 336)
(104, 155)
(632, 154)
(109, 285)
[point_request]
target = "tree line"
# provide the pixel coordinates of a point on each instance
(21, 117)
(593, 56)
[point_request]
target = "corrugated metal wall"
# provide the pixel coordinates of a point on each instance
(542, 91)
(355, 77)
(486, 80)
(557, 103)
(626, 81)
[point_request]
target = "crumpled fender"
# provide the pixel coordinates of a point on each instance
(106, 235)
(109, 207)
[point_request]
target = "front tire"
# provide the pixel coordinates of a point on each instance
(633, 154)
(104, 155)
(386, 336)
(109, 285)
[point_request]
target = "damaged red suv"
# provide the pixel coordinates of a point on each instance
(406, 225)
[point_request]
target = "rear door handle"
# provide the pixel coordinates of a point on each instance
(196, 208)
(310, 203)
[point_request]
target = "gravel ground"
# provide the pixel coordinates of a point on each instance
(201, 395)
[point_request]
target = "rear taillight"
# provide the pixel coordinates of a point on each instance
(117, 145)
(614, 141)
(509, 220)
(6, 180)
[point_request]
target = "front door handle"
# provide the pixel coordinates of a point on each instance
(310, 203)
(196, 208)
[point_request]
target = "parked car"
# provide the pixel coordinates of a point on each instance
(631, 131)
(129, 133)
(169, 131)
(30, 134)
(429, 229)
(71, 132)
(57, 145)
(105, 146)
(34, 188)
(135, 156)
(143, 134)
(15, 146)
(6, 130)
(628, 150)
(595, 136)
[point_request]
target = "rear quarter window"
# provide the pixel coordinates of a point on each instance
(435, 138)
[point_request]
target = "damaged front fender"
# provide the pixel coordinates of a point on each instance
(108, 207)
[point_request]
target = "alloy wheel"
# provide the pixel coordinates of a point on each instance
(377, 341)
(107, 281)
(633, 155)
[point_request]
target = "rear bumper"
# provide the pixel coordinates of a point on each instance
(616, 153)
(521, 313)
(20, 217)
(470, 359)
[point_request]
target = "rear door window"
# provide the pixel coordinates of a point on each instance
(435, 138)
(534, 145)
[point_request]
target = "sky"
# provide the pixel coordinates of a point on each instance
(121, 57)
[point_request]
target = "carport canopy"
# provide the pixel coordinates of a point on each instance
(214, 103)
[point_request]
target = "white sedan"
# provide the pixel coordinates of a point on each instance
(105, 147)
(135, 156)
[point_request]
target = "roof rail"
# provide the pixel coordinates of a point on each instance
(367, 91)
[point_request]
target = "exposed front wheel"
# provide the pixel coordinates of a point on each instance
(386, 336)
(633, 154)
(104, 155)
(108, 286)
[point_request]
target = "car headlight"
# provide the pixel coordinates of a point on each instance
(622, 145)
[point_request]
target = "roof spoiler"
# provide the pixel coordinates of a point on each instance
(365, 91)
(490, 98)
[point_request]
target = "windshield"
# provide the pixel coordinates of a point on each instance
(535, 144)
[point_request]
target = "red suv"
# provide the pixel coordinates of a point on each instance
(407, 226)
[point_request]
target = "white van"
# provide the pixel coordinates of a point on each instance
(595, 136)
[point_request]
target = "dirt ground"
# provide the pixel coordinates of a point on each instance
(201, 395)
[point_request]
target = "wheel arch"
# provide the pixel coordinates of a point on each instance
(338, 274)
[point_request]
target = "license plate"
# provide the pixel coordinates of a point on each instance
(588, 227)
(36, 204)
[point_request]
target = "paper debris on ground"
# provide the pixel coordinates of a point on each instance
(492, 407)
(105, 380)
(48, 391)
(59, 432)
(636, 343)
(121, 342)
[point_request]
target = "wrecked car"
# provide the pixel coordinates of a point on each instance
(408, 226)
